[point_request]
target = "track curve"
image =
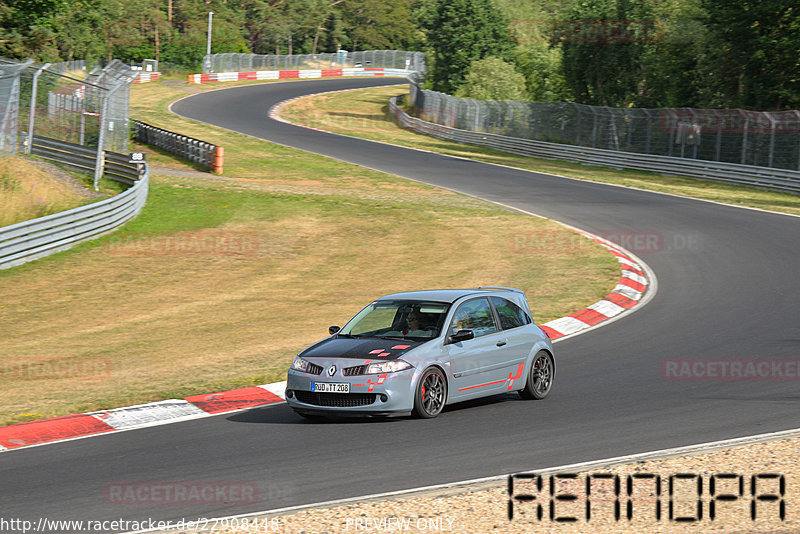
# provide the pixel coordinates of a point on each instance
(727, 289)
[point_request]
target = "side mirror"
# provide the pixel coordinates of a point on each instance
(461, 335)
(333, 329)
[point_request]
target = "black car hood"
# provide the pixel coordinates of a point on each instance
(369, 348)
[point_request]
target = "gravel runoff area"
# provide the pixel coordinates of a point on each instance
(484, 507)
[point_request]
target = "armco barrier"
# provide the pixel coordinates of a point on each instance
(295, 74)
(82, 159)
(77, 157)
(186, 147)
(29, 240)
(763, 177)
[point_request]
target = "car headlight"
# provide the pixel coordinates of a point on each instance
(391, 366)
(299, 364)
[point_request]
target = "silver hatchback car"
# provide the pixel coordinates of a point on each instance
(418, 351)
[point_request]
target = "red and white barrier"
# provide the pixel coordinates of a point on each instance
(294, 74)
(147, 77)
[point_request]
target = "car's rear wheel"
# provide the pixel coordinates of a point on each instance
(431, 393)
(540, 377)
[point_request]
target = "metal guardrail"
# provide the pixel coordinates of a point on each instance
(83, 159)
(187, 147)
(29, 240)
(117, 167)
(764, 177)
(77, 157)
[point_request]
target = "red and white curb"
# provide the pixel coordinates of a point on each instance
(295, 74)
(144, 415)
(629, 292)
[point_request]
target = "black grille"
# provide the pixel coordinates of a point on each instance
(314, 369)
(341, 400)
(353, 371)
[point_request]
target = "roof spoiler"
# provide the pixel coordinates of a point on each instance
(501, 288)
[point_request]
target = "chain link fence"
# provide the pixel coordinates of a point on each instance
(10, 87)
(64, 103)
(116, 78)
(387, 59)
(764, 139)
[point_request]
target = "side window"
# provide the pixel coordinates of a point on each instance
(475, 315)
(511, 315)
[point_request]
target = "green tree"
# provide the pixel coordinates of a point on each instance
(27, 29)
(78, 30)
(758, 41)
(461, 31)
(602, 43)
(378, 25)
(493, 79)
(541, 67)
(673, 74)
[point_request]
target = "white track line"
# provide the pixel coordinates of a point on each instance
(568, 468)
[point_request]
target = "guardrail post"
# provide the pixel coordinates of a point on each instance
(771, 157)
(32, 112)
(744, 135)
(100, 162)
(219, 154)
(797, 122)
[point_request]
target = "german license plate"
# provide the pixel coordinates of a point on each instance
(330, 387)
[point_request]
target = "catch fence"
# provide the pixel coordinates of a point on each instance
(756, 138)
(64, 103)
(387, 59)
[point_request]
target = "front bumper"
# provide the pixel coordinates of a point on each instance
(385, 394)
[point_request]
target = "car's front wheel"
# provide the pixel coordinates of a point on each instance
(540, 377)
(431, 393)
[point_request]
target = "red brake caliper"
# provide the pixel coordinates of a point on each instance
(423, 392)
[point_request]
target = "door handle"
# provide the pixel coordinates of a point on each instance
(501, 343)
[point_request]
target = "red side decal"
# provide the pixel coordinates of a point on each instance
(519, 374)
(400, 347)
(55, 429)
(483, 385)
(372, 384)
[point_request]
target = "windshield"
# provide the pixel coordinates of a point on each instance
(405, 319)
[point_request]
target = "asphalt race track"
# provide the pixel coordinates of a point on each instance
(728, 288)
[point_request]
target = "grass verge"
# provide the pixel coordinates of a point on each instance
(28, 191)
(220, 281)
(365, 113)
